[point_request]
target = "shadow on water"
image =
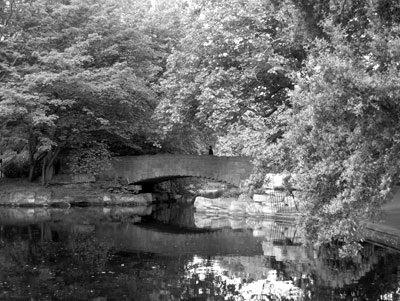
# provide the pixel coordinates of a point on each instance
(86, 254)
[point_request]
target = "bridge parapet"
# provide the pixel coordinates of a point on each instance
(147, 168)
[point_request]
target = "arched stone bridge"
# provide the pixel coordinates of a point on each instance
(157, 168)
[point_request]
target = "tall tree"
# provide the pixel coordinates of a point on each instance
(231, 67)
(342, 132)
(76, 73)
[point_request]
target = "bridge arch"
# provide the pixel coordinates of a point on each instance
(157, 168)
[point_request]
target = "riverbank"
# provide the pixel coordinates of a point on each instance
(64, 194)
(20, 192)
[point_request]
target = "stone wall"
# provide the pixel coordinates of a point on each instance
(62, 196)
(274, 202)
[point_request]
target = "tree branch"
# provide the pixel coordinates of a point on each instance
(270, 112)
(11, 12)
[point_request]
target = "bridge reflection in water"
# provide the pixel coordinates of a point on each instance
(283, 242)
(246, 256)
(254, 252)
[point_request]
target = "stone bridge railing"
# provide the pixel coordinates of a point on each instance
(153, 168)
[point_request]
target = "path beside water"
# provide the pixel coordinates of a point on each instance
(387, 231)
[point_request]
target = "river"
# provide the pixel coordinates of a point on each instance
(85, 254)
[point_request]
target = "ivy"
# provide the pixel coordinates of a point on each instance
(90, 160)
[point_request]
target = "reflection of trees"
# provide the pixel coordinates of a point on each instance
(67, 261)
(35, 263)
(213, 279)
(88, 250)
(179, 279)
(334, 271)
(369, 275)
(323, 274)
(327, 274)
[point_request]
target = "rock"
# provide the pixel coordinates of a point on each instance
(254, 223)
(268, 209)
(210, 193)
(139, 199)
(254, 209)
(260, 209)
(238, 223)
(61, 202)
(107, 198)
(178, 197)
(134, 188)
(219, 204)
(43, 198)
(83, 178)
(63, 179)
(245, 198)
(23, 198)
(264, 205)
(18, 198)
(237, 208)
(259, 233)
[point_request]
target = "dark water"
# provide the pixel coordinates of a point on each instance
(83, 254)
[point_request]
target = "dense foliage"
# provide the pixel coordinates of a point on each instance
(305, 87)
(341, 137)
(74, 74)
(230, 72)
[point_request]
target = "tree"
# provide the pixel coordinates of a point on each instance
(342, 132)
(326, 112)
(76, 74)
(231, 67)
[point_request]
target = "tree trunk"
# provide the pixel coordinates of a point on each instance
(32, 143)
(32, 162)
(48, 161)
(49, 172)
(44, 171)
(31, 171)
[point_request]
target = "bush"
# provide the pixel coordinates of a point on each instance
(16, 167)
(91, 160)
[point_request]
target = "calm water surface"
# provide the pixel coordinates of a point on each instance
(104, 254)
